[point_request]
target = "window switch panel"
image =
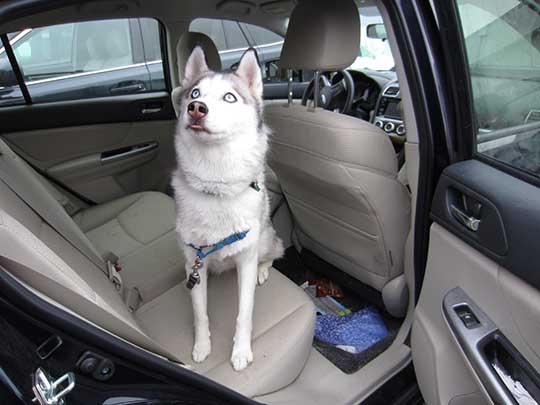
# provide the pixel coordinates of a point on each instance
(467, 316)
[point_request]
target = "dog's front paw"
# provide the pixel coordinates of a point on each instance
(264, 272)
(241, 357)
(201, 350)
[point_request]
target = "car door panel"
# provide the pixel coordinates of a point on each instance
(502, 283)
(476, 333)
(102, 161)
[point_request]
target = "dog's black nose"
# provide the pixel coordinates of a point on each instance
(197, 110)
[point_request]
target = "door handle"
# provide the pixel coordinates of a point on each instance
(464, 219)
(151, 110)
(128, 152)
(129, 87)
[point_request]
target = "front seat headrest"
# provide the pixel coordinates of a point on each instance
(322, 35)
(187, 42)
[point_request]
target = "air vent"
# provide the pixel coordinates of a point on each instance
(391, 91)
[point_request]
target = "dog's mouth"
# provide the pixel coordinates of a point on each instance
(197, 127)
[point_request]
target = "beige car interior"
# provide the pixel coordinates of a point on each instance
(339, 173)
(344, 202)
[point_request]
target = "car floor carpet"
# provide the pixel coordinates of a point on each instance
(304, 267)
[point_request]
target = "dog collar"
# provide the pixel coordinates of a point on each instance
(194, 277)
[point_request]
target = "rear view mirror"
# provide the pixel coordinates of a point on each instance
(376, 31)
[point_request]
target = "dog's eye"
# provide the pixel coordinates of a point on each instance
(229, 98)
(195, 93)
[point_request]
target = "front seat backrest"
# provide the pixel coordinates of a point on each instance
(338, 173)
(187, 42)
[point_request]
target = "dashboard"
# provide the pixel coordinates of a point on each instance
(377, 99)
(388, 113)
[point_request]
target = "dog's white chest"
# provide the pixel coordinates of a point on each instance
(204, 219)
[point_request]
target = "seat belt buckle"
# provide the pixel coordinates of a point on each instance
(114, 276)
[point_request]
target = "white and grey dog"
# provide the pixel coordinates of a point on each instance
(222, 204)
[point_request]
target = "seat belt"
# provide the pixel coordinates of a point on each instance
(59, 292)
(29, 198)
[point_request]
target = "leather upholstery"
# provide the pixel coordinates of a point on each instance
(139, 229)
(282, 331)
(339, 176)
(322, 35)
(145, 243)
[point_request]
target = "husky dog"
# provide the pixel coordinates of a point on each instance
(222, 204)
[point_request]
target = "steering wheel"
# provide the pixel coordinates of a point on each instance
(331, 95)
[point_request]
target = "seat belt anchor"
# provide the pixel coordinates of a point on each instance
(114, 276)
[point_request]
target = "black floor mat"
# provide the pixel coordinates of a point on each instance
(305, 267)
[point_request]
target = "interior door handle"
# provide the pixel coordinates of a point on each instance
(128, 152)
(464, 219)
(151, 110)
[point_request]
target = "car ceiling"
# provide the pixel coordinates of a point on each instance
(271, 14)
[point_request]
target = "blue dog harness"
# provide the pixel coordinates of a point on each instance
(194, 277)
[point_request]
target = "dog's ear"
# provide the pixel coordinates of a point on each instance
(195, 67)
(250, 71)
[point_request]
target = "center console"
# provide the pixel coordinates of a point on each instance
(388, 113)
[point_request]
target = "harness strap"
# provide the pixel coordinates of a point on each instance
(229, 240)
(194, 277)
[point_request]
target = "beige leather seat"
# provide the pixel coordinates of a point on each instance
(339, 173)
(60, 257)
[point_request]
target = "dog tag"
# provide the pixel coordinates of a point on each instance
(193, 279)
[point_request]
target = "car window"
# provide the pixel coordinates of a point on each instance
(502, 41)
(213, 28)
(88, 59)
(261, 36)
(233, 38)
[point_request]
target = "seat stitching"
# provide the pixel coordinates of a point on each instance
(262, 333)
(141, 242)
(84, 213)
(368, 127)
(377, 218)
(334, 160)
(122, 228)
(333, 218)
(383, 278)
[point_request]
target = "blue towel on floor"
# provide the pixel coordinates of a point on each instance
(360, 329)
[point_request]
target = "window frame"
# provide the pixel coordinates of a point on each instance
(7, 47)
(451, 31)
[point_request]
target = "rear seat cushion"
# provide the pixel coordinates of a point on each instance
(140, 230)
(283, 324)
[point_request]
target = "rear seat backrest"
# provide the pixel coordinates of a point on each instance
(25, 182)
(39, 256)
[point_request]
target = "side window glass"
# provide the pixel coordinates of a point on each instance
(88, 59)
(261, 36)
(212, 28)
(502, 41)
(150, 37)
(46, 52)
(233, 38)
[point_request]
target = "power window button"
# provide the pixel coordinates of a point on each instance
(467, 317)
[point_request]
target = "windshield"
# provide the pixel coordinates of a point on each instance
(374, 53)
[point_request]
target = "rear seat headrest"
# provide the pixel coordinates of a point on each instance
(322, 35)
(187, 42)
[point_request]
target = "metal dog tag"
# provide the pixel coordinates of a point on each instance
(193, 279)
